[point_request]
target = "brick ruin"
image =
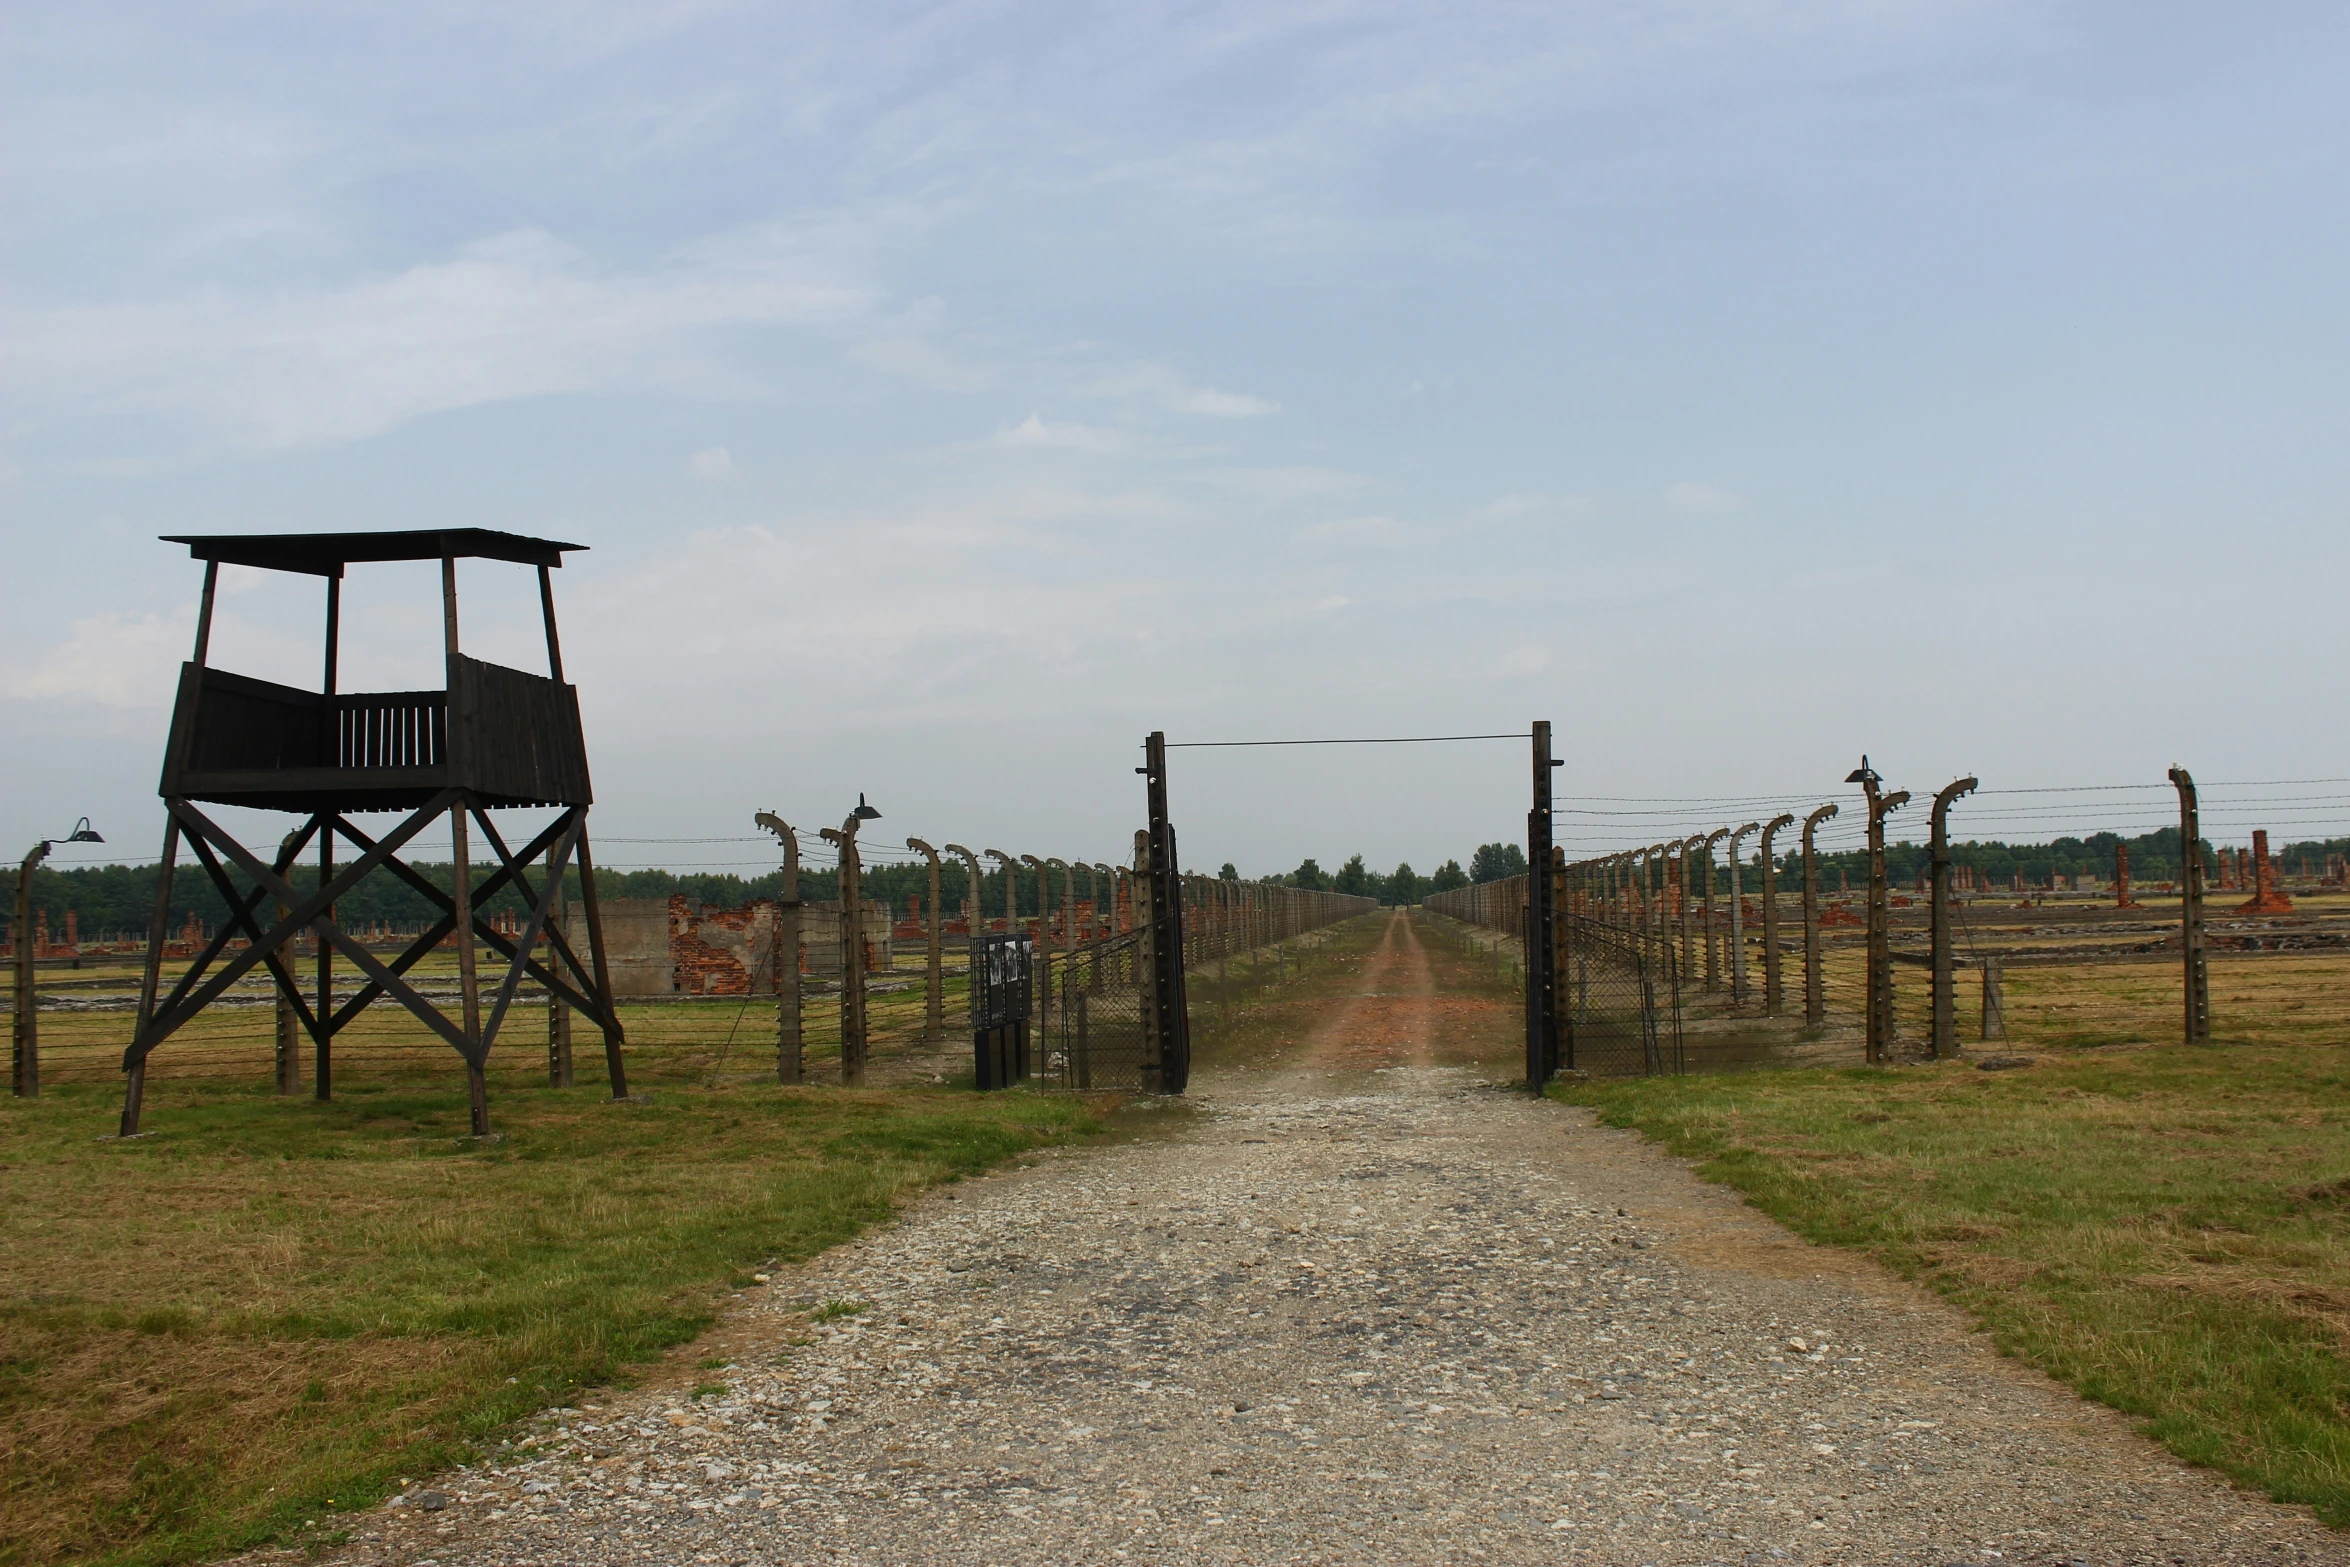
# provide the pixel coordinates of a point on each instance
(2267, 897)
(678, 947)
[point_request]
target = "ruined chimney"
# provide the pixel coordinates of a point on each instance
(2267, 896)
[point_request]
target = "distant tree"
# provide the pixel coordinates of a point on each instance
(1494, 861)
(1354, 879)
(1309, 876)
(1403, 885)
(1448, 876)
(1229, 872)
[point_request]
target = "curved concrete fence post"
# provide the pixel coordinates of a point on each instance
(790, 1050)
(1774, 999)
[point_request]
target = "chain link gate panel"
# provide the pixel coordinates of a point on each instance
(1098, 1034)
(1620, 1013)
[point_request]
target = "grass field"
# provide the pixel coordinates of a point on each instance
(269, 1310)
(2165, 1229)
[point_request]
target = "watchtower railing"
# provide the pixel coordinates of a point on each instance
(392, 729)
(511, 736)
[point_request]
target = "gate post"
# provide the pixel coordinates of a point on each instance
(2198, 975)
(1171, 1014)
(1815, 997)
(789, 1048)
(1562, 1020)
(1541, 1001)
(1042, 966)
(1774, 995)
(1945, 1004)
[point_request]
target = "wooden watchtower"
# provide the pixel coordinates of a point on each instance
(492, 739)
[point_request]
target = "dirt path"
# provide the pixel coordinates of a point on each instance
(1384, 1022)
(1368, 1308)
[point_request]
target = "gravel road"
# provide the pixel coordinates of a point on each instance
(1367, 1308)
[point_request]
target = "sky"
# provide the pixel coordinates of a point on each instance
(949, 395)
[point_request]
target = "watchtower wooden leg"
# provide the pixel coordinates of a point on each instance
(289, 1027)
(558, 1010)
(613, 1040)
(151, 982)
(468, 981)
(323, 1051)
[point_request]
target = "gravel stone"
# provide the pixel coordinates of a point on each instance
(1400, 1314)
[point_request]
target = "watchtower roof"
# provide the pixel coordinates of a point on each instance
(325, 554)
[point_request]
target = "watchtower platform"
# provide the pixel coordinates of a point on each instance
(494, 738)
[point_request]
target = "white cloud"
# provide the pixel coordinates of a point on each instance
(715, 463)
(114, 660)
(1161, 384)
(912, 344)
(1702, 498)
(1540, 505)
(1374, 532)
(1520, 662)
(1225, 405)
(975, 585)
(1033, 431)
(1283, 483)
(519, 315)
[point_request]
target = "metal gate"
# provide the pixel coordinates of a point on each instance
(1097, 1032)
(1621, 1011)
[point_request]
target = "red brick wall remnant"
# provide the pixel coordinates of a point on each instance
(723, 952)
(2267, 896)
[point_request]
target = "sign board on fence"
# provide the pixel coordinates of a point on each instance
(1001, 987)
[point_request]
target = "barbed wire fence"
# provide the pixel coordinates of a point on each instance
(766, 1016)
(1698, 931)
(1805, 929)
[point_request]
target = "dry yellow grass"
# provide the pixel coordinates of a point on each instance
(270, 1308)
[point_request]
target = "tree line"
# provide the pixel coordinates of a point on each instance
(2154, 857)
(116, 901)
